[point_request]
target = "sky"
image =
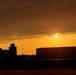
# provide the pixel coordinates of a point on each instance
(33, 23)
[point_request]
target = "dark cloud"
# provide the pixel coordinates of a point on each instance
(32, 17)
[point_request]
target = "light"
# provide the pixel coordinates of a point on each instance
(56, 36)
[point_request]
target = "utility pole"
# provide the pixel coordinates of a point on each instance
(22, 51)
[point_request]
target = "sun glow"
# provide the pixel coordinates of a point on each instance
(56, 36)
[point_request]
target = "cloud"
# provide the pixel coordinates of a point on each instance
(36, 17)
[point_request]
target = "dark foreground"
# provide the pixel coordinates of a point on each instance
(37, 72)
(38, 65)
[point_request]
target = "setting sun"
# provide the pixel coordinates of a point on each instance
(56, 36)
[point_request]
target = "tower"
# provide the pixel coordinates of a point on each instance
(12, 50)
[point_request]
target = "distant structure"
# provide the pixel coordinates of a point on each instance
(11, 52)
(41, 53)
(56, 53)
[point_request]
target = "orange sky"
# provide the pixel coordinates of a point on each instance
(29, 45)
(31, 24)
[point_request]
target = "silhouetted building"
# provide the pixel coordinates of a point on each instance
(56, 53)
(11, 52)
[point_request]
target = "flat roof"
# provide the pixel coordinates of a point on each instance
(57, 47)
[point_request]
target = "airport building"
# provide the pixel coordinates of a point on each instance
(56, 53)
(12, 51)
